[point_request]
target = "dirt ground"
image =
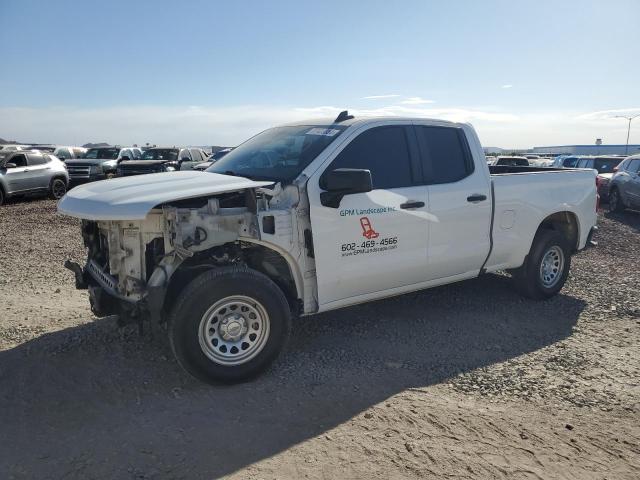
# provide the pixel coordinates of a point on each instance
(463, 381)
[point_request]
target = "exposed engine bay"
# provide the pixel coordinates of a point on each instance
(136, 267)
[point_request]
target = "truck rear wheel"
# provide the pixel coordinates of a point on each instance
(228, 325)
(546, 268)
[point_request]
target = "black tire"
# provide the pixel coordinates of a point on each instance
(616, 205)
(2, 197)
(188, 321)
(529, 278)
(57, 188)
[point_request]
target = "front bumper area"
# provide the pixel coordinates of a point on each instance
(106, 301)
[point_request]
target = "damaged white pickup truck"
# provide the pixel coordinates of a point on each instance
(314, 216)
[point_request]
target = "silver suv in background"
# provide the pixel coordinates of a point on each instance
(624, 187)
(100, 163)
(32, 172)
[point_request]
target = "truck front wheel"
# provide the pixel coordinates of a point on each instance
(229, 324)
(546, 268)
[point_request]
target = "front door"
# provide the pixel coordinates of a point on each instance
(373, 241)
(18, 178)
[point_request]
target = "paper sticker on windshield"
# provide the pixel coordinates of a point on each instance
(327, 132)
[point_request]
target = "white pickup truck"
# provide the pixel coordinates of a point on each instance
(314, 216)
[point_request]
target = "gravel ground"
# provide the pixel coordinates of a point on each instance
(463, 381)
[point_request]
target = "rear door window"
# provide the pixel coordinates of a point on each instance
(634, 166)
(446, 157)
(35, 159)
(382, 150)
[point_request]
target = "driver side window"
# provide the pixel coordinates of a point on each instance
(382, 150)
(18, 160)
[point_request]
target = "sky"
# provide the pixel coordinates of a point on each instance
(524, 73)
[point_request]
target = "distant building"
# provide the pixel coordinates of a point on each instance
(588, 149)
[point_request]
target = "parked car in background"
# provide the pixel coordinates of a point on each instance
(605, 166)
(624, 187)
(68, 153)
(162, 159)
(6, 149)
(212, 159)
(100, 163)
(43, 147)
(566, 161)
(32, 172)
(512, 161)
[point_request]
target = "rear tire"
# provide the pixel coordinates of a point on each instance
(546, 267)
(57, 189)
(615, 201)
(228, 325)
(2, 197)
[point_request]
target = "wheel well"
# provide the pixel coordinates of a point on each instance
(565, 223)
(58, 176)
(256, 257)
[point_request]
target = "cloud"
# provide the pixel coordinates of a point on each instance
(416, 101)
(201, 125)
(379, 97)
(608, 114)
(507, 86)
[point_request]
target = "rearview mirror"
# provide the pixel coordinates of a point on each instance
(10, 165)
(341, 182)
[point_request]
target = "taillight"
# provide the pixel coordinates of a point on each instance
(597, 196)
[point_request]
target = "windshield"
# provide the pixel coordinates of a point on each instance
(103, 153)
(277, 154)
(160, 154)
(570, 162)
(606, 165)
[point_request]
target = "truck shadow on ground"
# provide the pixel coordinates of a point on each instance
(92, 402)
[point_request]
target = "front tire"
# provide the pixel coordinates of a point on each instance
(546, 268)
(228, 325)
(57, 189)
(615, 201)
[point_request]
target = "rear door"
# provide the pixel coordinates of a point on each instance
(459, 203)
(38, 171)
(375, 241)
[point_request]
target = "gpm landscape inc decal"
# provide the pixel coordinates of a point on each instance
(371, 244)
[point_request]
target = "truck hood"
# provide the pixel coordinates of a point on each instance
(131, 198)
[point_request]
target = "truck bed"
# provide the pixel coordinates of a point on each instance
(524, 196)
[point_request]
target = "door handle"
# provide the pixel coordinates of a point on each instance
(476, 197)
(25, 170)
(412, 204)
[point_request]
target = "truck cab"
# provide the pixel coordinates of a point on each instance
(314, 216)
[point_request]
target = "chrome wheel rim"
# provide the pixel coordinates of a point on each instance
(234, 330)
(552, 266)
(59, 189)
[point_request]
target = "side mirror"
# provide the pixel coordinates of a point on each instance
(10, 165)
(341, 182)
